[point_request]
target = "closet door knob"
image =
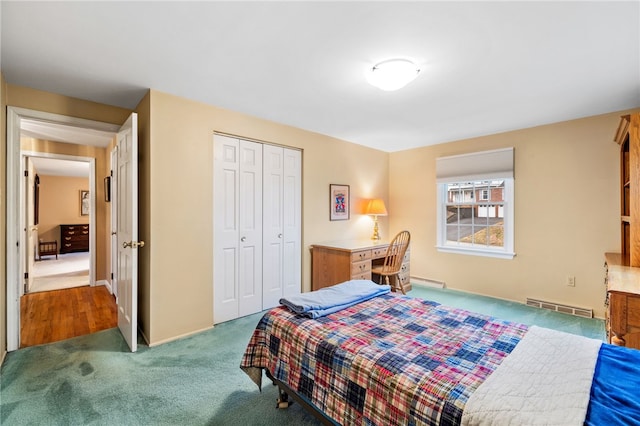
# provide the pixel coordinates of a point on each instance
(243, 239)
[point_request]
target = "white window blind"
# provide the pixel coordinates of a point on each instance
(495, 164)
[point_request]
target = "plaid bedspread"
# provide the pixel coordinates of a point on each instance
(390, 360)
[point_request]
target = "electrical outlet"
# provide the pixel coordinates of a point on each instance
(571, 281)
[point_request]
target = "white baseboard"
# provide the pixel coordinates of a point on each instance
(427, 282)
(107, 284)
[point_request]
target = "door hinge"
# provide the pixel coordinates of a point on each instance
(26, 275)
(112, 276)
(26, 173)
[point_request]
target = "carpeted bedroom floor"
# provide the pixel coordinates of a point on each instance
(94, 380)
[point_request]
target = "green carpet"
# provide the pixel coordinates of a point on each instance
(193, 381)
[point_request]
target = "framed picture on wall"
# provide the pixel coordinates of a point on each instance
(339, 202)
(84, 203)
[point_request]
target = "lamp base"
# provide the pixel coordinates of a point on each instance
(376, 233)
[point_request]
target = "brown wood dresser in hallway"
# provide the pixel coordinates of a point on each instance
(51, 316)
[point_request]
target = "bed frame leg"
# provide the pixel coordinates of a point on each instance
(283, 399)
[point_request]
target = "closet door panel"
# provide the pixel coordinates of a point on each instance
(273, 226)
(226, 182)
(250, 199)
(292, 222)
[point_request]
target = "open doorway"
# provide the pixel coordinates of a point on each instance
(60, 223)
(125, 195)
(65, 223)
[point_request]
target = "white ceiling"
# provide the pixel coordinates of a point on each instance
(57, 167)
(487, 67)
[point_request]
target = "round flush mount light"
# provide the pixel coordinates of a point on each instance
(392, 74)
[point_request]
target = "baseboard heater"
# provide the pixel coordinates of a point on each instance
(565, 309)
(427, 282)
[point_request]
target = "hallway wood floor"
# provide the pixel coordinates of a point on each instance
(51, 316)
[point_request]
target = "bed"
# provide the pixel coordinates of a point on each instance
(390, 359)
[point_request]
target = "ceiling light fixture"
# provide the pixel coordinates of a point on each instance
(392, 74)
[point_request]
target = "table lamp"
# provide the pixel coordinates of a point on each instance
(376, 208)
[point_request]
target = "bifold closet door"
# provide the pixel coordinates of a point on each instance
(282, 212)
(237, 228)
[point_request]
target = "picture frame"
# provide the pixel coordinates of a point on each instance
(107, 189)
(339, 202)
(85, 203)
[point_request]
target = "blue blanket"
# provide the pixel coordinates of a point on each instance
(328, 300)
(614, 390)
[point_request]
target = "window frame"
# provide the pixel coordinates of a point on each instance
(505, 252)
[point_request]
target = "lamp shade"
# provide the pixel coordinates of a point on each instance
(376, 208)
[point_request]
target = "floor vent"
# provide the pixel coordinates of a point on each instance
(571, 310)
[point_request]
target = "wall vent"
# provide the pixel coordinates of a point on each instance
(566, 309)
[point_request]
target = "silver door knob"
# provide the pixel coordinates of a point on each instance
(243, 239)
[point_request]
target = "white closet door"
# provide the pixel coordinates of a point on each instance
(292, 223)
(250, 268)
(237, 218)
(273, 176)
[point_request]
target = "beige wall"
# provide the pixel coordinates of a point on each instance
(566, 213)
(566, 204)
(72, 212)
(177, 201)
(3, 217)
(59, 204)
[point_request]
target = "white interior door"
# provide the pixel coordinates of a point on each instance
(127, 231)
(30, 227)
(113, 229)
(292, 222)
(273, 233)
(237, 228)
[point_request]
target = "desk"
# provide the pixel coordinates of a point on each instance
(623, 297)
(339, 261)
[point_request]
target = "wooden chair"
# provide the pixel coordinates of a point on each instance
(393, 261)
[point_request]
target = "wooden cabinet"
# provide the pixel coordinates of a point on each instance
(623, 269)
(628, 137)
(623, 302)
(341, 261)
(74, 238)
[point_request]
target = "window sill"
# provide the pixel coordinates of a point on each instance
(477, 252)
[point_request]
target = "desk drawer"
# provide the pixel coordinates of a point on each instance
(360, 267)
(361, 255)
(362, 276)
(378, 253)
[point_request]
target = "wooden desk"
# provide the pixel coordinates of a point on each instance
(339, 261)
(623, 302)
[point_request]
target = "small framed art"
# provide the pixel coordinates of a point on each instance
(85, 202)
(339, 202)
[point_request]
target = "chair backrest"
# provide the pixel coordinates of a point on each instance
(396, 251)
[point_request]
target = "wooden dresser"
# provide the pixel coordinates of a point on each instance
(74, 238)
(340, 261)
(622, 302)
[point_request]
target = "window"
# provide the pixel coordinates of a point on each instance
(475, 203)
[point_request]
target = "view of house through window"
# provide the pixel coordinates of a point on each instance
(475, 213)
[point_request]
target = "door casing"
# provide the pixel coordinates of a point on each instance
(15, 240)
